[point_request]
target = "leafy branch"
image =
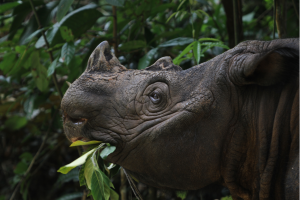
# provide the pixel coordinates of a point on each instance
(54, 78)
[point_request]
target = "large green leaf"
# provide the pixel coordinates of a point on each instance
(97, 185)
(21, 168)
(8, 62)
(197, 51)
(79, 161)
(106, 151)
(39, 72)
(177, 42)
(63, 7)
(15, 123)
(146, 59)
(45, 14)
(6, 6)
(181, 194)
(131, 45)
(67, 52)
(184, 52)
(66, 33)
(32, 35)
(77, 21)
(82, 143)
(52, 67)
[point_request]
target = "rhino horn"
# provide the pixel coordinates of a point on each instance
(103, 60)
(164, 63)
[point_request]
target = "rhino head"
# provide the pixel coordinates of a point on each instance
(186, 129)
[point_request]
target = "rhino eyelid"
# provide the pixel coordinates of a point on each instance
(155, 97)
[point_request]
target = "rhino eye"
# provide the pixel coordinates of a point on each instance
(155, 97)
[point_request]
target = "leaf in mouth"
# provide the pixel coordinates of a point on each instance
(82, 143)
(91, 175)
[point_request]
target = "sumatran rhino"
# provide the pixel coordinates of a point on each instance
(232, 120)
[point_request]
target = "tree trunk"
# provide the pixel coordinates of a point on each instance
(281, 18)
(230, 22)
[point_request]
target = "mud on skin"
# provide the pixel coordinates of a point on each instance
(232, 120)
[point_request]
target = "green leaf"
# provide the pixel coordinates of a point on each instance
(66, 33)
(32, 35)
(81, 176)
(182, 2)
(67, 52)
(113, 195)
(106, 151)
(63, 7)
(88, 172)
(70, 196)
(197, 51)
(226, 198)
(6, 6)
(41, 83)
(201, 12)
(21, 168)
(184, 52)
(81, 143)
(213, 44)
(177, 42)
(8, 62)
(79, 161)
(131, 45)
(209, 39)
(71, 176)
(52, 67)
(115, 2)
(171, 16)
(26, 157)
(78, 21)
(51, 32)
(97, 186)
(146, 59)
(181, 194)
(15, 123)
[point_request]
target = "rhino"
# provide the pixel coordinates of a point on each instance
(232, 120)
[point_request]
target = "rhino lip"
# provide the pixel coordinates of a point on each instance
(74, 139)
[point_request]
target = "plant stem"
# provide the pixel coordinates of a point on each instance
(274, 18)
(235, 22)
(34, 158)
(48, 46)
(115, 30)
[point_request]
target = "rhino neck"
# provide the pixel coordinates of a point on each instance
(260, 141)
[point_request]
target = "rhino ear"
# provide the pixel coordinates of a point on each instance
(268, 68)
(164, 64)
(103, 60)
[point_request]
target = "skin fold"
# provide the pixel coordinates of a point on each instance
(232, 120)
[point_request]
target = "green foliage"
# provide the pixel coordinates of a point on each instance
(181, 194)
(90, 174)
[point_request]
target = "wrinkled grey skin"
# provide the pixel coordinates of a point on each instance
(232, 120)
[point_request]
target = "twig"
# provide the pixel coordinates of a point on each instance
(235, 22)
(34, 158)
(295, 7)
(115, 31)
(48, 46)
(274, 18)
